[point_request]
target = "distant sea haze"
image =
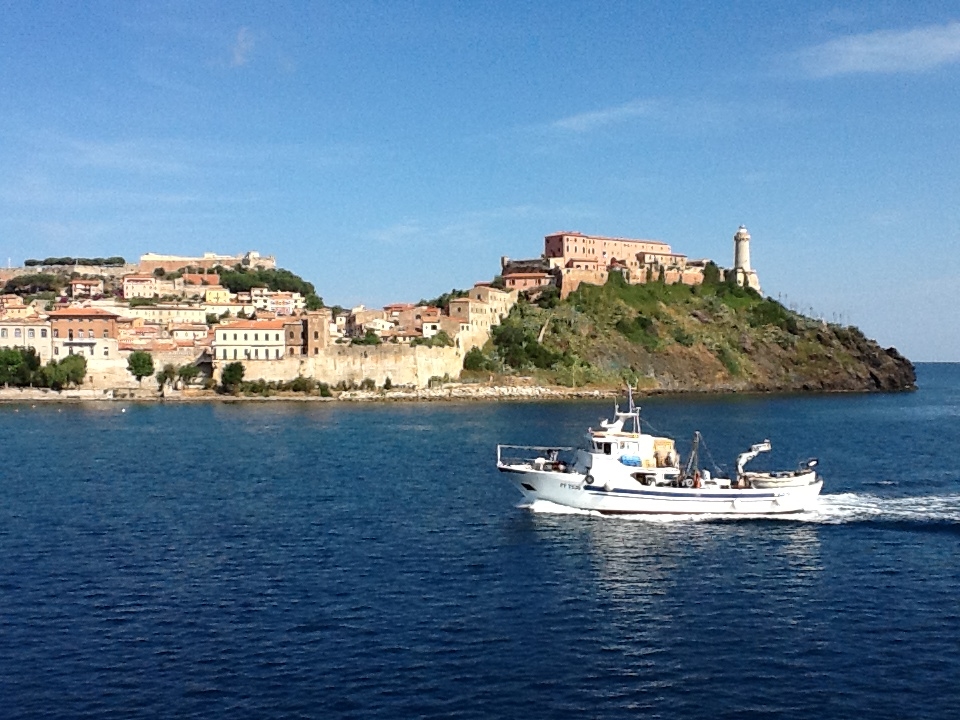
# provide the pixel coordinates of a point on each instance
(355, 561)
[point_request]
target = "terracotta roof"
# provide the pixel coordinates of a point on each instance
(33, 320)
(81, 312)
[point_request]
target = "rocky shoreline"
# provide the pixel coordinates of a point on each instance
(449, 392)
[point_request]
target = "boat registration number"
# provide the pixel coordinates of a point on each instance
(569, 486)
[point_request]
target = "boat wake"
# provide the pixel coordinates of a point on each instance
(832, 509)
(855, 507)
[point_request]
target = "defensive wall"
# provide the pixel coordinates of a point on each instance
(114, 271)
(404, 365)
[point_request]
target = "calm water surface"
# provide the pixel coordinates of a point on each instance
(308, 560)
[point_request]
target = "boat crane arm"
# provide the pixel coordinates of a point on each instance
(744, 458)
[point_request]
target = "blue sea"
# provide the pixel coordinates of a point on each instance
(326, 560)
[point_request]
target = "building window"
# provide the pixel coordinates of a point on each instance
(56, 333)
(224, 353)
(256, 353)
(278, 353)
(56, 350)
(234, 336)
(91, 349)
(79, 333)
(256, 337)
(316, 351)
(244, 336)
(3, 333)
(31, 333)
(234, 353)
(43, 332)
(277, 336)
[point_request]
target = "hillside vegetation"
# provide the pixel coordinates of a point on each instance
(717, 336)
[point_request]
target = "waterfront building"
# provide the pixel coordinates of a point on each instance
(27, 333)
(254, 339)
(83, 331)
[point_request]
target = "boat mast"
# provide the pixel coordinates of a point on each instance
(693, 463)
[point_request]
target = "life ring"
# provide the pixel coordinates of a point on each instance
(696, 478)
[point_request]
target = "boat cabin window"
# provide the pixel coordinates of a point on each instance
(606, 448)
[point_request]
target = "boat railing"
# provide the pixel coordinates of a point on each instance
(530, 454)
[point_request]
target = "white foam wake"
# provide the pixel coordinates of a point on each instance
(856, 507)
(832, 509)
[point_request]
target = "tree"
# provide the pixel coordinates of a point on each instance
(74, 368)
(140, 364)
(476, 360)
(19, 367)
(368, 338)
(188, 373)
(711, 274)
(57, 375)
(232, 376)
(159, 272)
(167, 375)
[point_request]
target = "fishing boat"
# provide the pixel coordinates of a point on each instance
(623, 470)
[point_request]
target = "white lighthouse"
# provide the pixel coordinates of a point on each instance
(741, 260)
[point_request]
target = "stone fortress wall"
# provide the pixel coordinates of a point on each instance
(403, 365)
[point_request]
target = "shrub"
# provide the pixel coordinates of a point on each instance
(188, 373)
(476, 360)
(301, 384)
(325, 390)
(368, 384)
(641, 330)
(683, 337)
(232, 376)
(729, 359)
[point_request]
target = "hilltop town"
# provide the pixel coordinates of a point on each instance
(211, 320)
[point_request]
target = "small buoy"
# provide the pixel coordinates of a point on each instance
(123, 409)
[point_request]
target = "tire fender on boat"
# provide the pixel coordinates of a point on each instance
(588, 480)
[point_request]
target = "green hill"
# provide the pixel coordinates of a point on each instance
(713, 337)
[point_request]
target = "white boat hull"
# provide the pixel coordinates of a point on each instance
(571, 489)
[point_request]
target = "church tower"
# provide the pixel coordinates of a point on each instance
(741, 260)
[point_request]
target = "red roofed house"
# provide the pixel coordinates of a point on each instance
(86, 288)
(526, 281)
(83, 331)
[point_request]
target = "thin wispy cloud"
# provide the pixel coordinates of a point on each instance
(672, 114)
(595, 119)
(884, 51)
(242, 47)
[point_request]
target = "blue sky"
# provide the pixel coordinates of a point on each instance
(389, 151)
